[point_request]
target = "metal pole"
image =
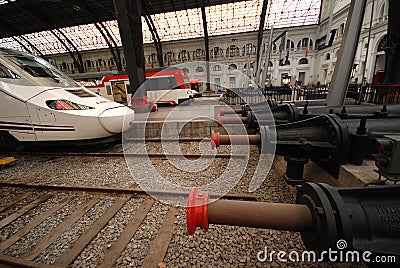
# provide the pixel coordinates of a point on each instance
(260, 39)
(130, 26)
(207, 46)
(341, 75)
(266, 63)
(257, 79)
(367, 51)
(330, 22)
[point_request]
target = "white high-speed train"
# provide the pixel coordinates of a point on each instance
(39, 103)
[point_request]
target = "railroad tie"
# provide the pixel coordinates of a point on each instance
(129, 231)
(76, 248)
(59, 230)
(31, 225)
(160, 244)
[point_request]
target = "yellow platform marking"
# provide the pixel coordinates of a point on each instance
(7, 160)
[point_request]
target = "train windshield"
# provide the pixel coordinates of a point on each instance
(38, 67)
(161, 83)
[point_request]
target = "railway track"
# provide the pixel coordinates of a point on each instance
(121, 154)
(55, 210)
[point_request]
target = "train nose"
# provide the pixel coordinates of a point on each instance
(117, 120)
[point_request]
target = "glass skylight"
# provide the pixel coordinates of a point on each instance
(229, 18)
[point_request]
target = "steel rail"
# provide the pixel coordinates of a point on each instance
(120, 154)
(117, 190)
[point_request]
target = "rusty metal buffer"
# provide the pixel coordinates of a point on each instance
(366, 218)
(254, 116)
(327, 140)
(272, 104)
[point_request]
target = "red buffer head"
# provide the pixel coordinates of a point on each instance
(215, 141)
(220, 121)
(197, 211)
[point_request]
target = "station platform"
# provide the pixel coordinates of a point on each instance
(194, 119)
(359, 176)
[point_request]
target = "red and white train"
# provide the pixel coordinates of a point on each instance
(170, 86)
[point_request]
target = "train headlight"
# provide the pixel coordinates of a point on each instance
(66, 105)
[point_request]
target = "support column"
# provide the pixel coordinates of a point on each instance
(207, 45)
(392, 67)
(260, 42)
(129, 18)
(341, 75)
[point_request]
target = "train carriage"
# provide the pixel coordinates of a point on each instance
(39, 103)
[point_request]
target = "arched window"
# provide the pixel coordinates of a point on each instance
(249, 49)
(251, 65)
(199, 69)
(153, 57)
(185, 70)
(305, 43)
(184, 55)
(327, 56)
(169, 57)
(289, 44)
(217, 68)
(233, 51)
(270, 64)
(341, 29)
(382, 44)
(232, 66)
(383, 12)
(217, 52)
(303, 61)
(198, 54)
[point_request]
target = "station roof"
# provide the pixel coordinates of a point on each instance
(31, 21)
(19, 17)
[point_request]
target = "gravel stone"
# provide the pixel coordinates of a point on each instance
(221, 246)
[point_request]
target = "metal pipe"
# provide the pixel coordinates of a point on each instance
(261, 215)
(391, 109)
(323, 214)
(232, 120)
(223, 112)
(240, 139)
(217, 139)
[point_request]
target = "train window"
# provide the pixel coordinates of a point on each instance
(161, 83)
(108, 88)
(7, 73)
(39, 67)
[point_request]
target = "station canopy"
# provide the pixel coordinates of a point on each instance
(174, 20)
